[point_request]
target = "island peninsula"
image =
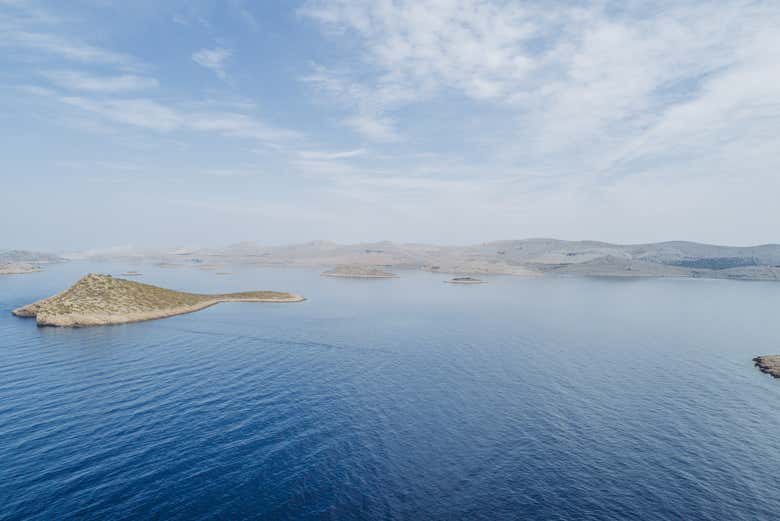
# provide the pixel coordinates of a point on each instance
(98, 300)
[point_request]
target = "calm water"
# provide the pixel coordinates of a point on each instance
(550, 398)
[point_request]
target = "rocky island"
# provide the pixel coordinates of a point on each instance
(769, 364)
(465, 280)
(19, 262)
(97, 300)
(359, 272)
(18, 268)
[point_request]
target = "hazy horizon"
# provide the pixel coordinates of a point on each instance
(447, 122)
(163, 247)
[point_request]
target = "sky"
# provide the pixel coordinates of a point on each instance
(205, 123)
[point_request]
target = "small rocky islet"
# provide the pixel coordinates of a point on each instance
(769, 364)
(97, 300)
(359, 272)
(465, 280)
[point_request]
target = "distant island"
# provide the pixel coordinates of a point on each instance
(465, 280)
(358, 272)
(769, 364)
(19, 262)
(102, 300)
(525, 258)
(18, 268)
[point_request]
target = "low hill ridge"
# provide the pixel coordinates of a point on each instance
(527, 257)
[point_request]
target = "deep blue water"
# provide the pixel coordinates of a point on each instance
(552, 398)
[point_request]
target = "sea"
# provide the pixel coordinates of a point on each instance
(544, 398)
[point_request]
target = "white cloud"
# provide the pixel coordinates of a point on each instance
(66, 48)
(150, 114)
(581, 81)
(607, 118)
(75, 80)
(329, 170)
(588, 119)
(369, 105)
(214, 59)
(238, 125)
(471, 45)
(90, 91)
(380, 129)
(244, 14)
(142, 113)
(327, 156)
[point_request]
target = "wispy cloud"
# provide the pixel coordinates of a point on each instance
(376, 128)
(424, 118)
(326, 156)
(370, 105)
(95, 93)
(153, 115)
(27, 12)
(238, 125)
(213, 59)
(67, 48)
(76, 80)
(246, 16)
(580, 80)
(142, 113)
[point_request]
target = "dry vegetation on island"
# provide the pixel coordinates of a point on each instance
(102, 299)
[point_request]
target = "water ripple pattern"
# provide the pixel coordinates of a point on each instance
(553, 398)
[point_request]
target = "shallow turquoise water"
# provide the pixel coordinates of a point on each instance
(407, 398)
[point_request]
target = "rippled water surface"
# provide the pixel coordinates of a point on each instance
(408, 398)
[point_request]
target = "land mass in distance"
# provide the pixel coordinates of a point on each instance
(20, 262)
(529, 257)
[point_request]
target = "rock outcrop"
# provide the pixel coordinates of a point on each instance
(769, 364)
(465, 280)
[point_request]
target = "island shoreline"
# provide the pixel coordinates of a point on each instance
(101, 300)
